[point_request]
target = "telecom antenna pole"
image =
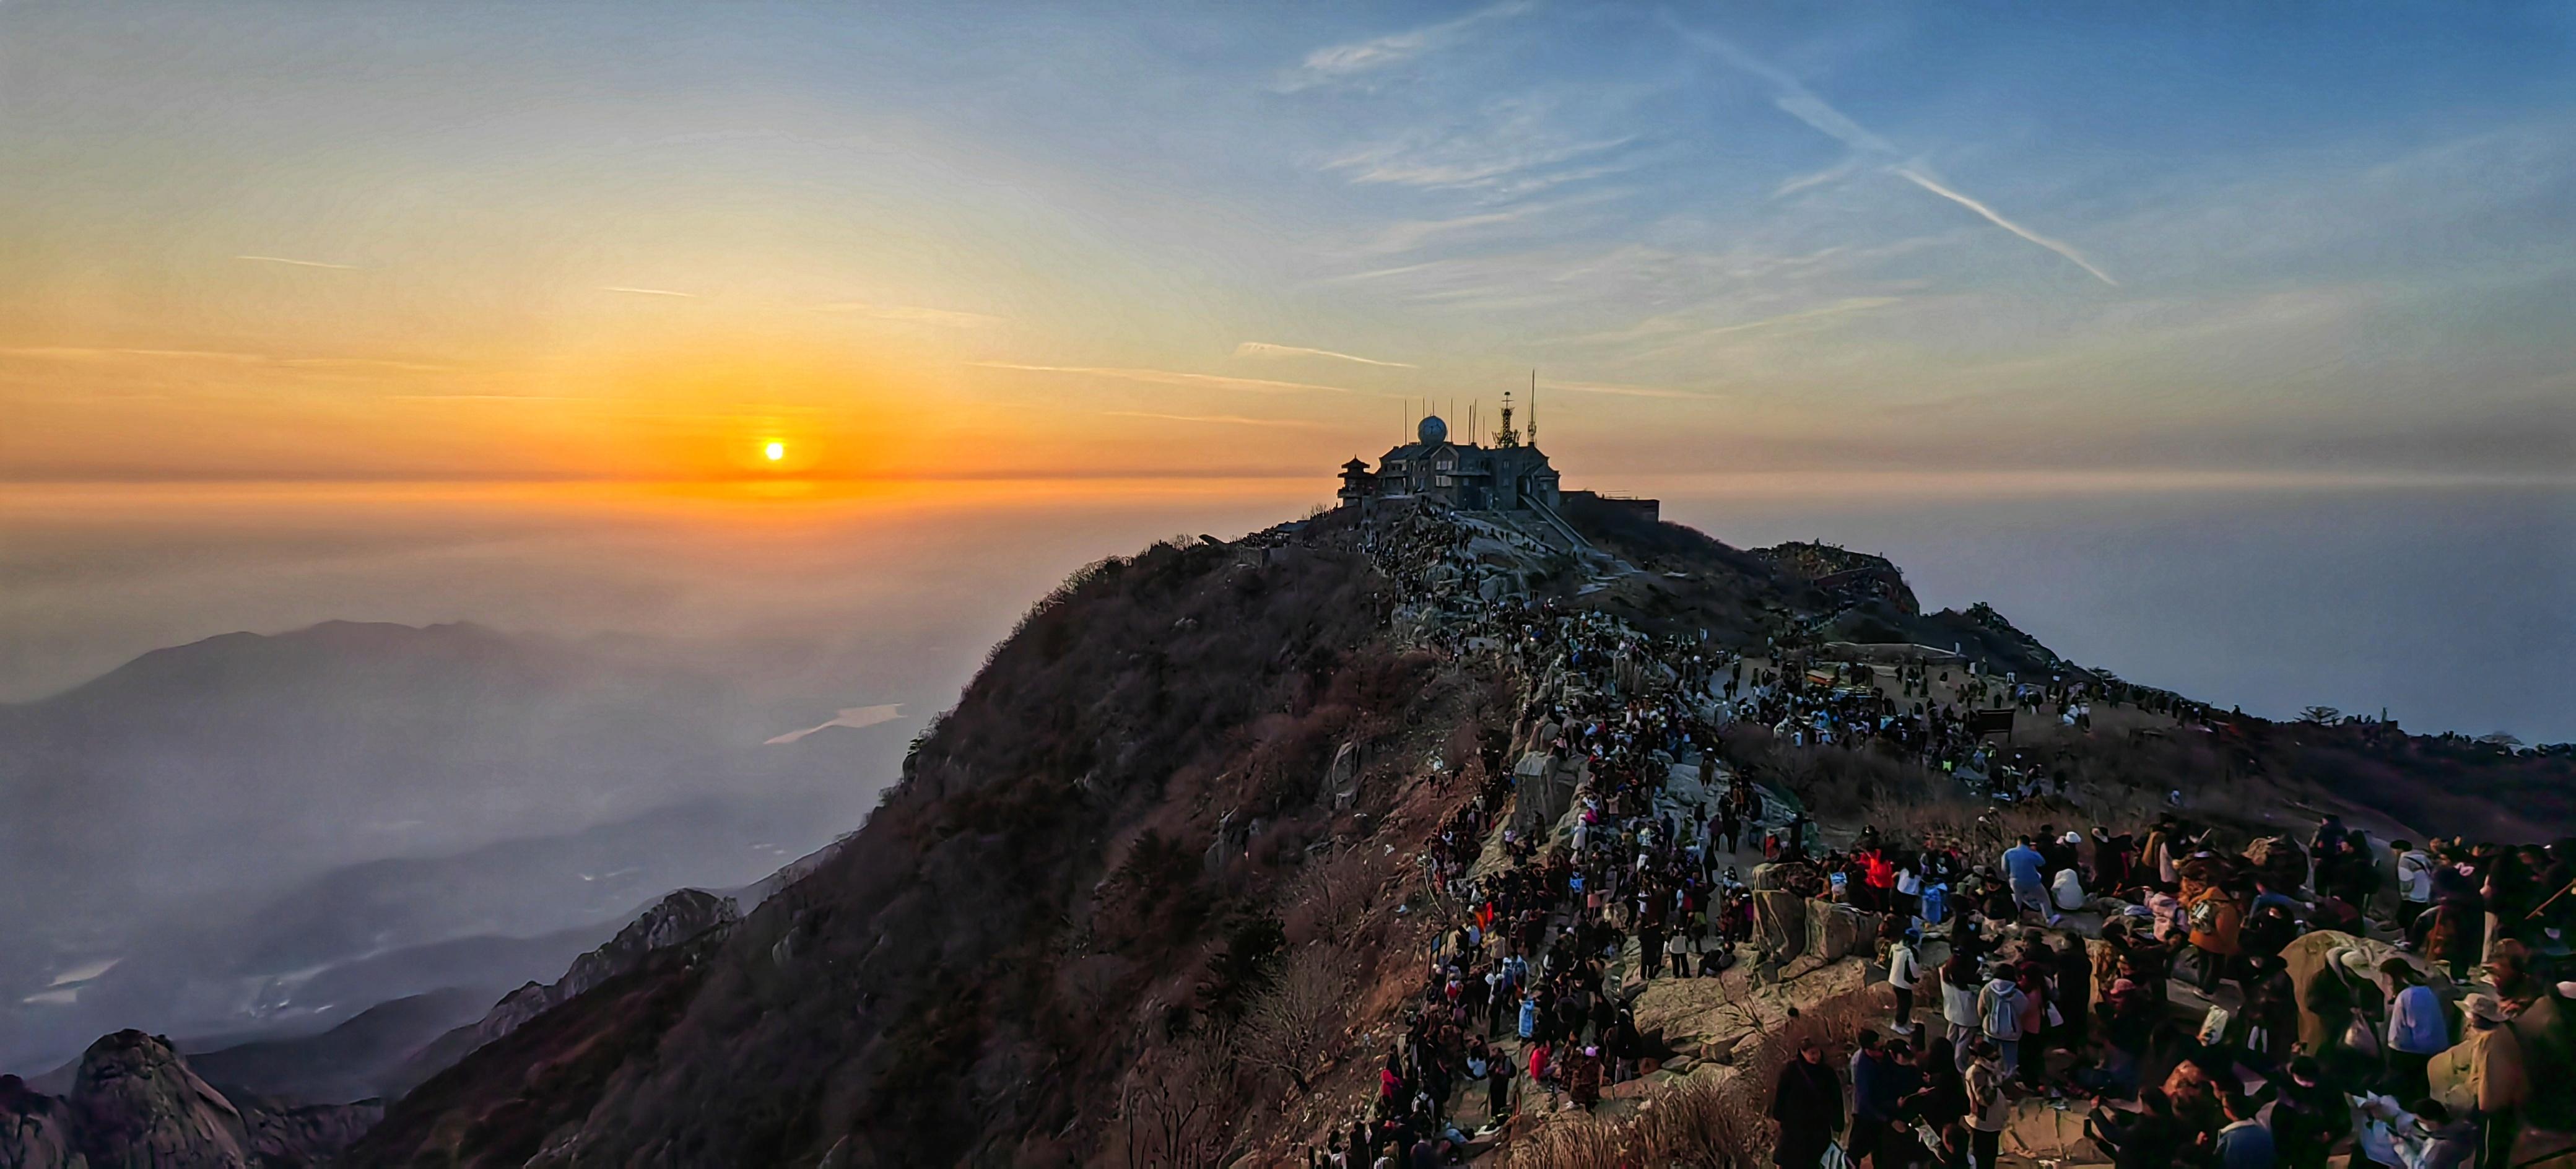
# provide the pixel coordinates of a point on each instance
(1533, 422)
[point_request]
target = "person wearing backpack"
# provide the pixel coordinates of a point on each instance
(1999, 1016)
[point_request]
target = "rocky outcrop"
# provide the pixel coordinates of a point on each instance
(1847, 578)
(678, 917)
(283, 1136)
(136, 1104)
(675, 919)
(36, 1129)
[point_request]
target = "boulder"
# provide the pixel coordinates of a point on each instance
(1779, 923)
(1836, 931)
(36, 1129)
(138, 1103)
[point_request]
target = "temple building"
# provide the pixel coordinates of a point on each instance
(1507, 476)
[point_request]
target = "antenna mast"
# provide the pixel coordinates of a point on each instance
(1533, 423)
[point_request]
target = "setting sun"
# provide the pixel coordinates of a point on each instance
(774, 451)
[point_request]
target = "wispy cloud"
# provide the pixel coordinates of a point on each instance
(1795, 99)
(212, 357)
(295, 263)
(855, 716)
(1413, 233)
(1796, 183)
(79, 353)
(1623, 391)
(1847, 305)
(910, 313)
(1339, 62)
(1383, 273)
(1166, 377)
(1265, 349)
(2060, 247)
(1671, 324)
(1212, 419)
(362, 363)
(642, 291)
(493, 398)
(1454, 163)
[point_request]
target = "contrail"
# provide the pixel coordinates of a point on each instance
(297, 263)
(1796, 100)
(2057, 246)
(1266, 349)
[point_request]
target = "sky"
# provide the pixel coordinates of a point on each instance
(544, 242)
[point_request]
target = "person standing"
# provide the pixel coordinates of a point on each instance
(1902, 975)
(1999, 1016)
(1807, 1104)
(2414, 883)
(1959, 991)
(1498, 1090)
(2417, 1031)
(1988, 1110)
(1872, 1105)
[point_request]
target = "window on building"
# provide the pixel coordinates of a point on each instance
(1442, 481)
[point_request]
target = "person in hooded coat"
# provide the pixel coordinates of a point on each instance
(1807, 1103)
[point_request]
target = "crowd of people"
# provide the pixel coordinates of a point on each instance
(2288, 1075)
(1521, 998)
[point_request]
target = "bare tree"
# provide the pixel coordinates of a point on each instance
(1174, 1109)
(1292, 1023)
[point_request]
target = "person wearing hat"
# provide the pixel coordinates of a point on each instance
(2502, 1087)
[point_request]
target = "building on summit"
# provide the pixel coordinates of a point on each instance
(1507, 476)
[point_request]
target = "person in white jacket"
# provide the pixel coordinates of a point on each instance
(1959, 1006)
(2414, 883)
(1903, 974)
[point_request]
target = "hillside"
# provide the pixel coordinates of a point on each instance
(1159, 888)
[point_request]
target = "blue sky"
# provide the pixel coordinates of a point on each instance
(2311, 239)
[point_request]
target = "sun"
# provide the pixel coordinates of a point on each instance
(774, 451)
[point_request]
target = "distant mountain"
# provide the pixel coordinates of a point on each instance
(252, 827)
(347, 1063)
